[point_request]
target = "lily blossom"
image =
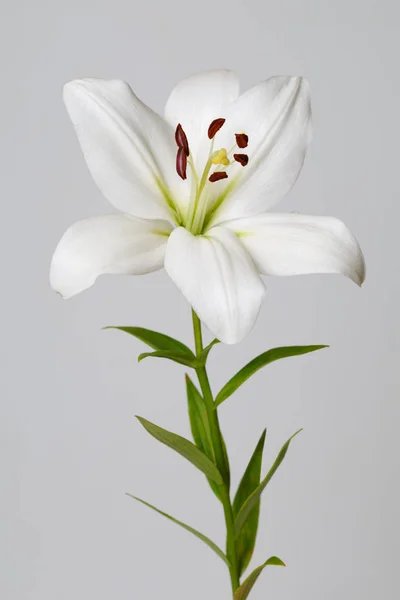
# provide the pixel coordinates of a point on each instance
(193, 188)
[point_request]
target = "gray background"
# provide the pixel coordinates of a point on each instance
(71, 447)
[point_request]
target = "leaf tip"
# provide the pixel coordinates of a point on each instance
(295, 434)
(281, 564)
(261, 441)
(275, 561)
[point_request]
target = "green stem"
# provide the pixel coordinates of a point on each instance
(220, 456)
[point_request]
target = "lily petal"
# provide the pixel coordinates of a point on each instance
(294, 244)
(118, 244)
(219, 280)
(276, 116)
(129, 149)
(196, 101)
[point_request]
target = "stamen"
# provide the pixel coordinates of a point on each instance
(215, 127)
(181, 139)
(243, 159)
(217, 176)
(181, 162)
(242, 140)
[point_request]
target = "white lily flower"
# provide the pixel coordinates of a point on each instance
(194, 188)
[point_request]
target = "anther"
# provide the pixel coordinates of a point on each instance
(242, 140)
(181, 139)
(217, 176)
(215, 127)
(243, 159)
(181, 162)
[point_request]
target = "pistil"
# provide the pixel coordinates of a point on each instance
(220, 157)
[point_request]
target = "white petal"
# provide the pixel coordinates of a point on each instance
(118, 244)
(196, 101)
(276, 115)
(294, 244)
(219, 280)
(126, 145)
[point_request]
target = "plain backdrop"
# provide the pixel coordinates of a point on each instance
(70, 445)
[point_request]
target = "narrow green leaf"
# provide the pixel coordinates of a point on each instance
(254, 498)
(226, 463)
(200, 427)
(199, 535)
(246, 587)
(257, 363)
(182, 359)
(246, 540)
(185, 449)
(204, 355)
(199, 419)
(156, 340)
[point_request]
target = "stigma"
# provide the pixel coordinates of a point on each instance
(220, 157)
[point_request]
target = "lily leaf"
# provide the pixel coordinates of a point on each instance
(257, 363)
(199, 419)
(182, 359)
(254, 498)
(246, 540)
(200, 426)
(185, 449)
(227, 471)
(199, 535)
(204, 355)
(156, 340)
(244, 590)
(197, 405)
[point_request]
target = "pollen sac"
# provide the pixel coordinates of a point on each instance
(181, 139)
(242, 140)
(243, 159)
(217, 176)
(181, 162)
(215, 126)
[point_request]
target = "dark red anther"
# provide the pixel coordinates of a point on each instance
(217, 176)
(181, 163)
(215, 127)
(242, 140)
(243, 159)
(181, 139)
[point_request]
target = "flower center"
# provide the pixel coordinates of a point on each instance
(215, 169)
